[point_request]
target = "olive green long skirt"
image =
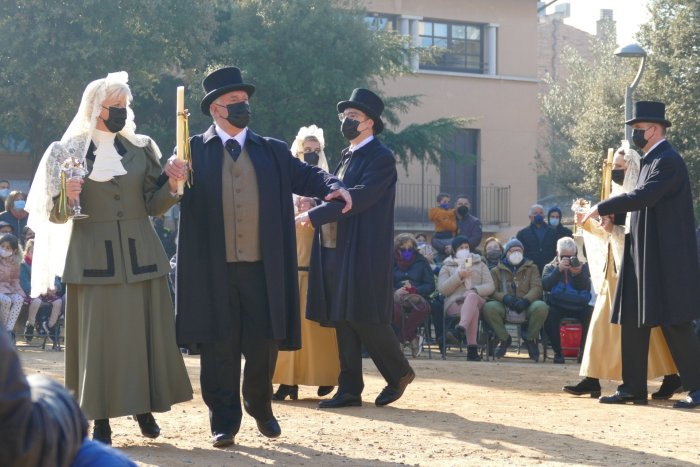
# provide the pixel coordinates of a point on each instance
(121, 354)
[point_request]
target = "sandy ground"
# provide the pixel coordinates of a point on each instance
(455, 413)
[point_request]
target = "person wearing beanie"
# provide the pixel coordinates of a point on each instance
(466, 282)
(554, 219)
(517, 299)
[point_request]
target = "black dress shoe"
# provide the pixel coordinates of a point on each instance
(341, 400)
(691, 401)
(585, 386)
(503, 347)
(148, 425)
(269, 428)
(284, 390)
(558, 358)
(622, 397)
(324, 390)
(221, 440)
(102, 432)
(670, 386)
(391, 394)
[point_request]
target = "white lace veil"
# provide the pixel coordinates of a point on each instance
(51, 240)
(298, 144)
(617, 237)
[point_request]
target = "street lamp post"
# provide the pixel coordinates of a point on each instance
(631, 50)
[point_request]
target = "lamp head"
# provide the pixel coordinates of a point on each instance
(630, 50)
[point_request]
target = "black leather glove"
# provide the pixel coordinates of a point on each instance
(509, 301)
(521, 304)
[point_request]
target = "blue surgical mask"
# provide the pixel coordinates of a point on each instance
(407, 255)
(4, 192)
(539, 219)
(20, 204)
(554, 221)
(445, 205)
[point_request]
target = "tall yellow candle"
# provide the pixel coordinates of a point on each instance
(180, 134)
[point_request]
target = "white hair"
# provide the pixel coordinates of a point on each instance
(566, 243)
(533, 207)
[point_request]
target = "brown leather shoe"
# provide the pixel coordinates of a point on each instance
(391, 394)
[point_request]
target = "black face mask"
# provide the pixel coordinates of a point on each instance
(349, 128)
(238, 114)
(638, 138)
(463, 211)
(311, 158)
(618, 176)
(116, 120)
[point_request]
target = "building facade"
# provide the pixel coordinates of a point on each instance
(486, 71)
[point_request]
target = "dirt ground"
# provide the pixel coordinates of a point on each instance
(456, 412)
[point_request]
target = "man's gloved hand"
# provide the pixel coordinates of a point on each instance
(509, 301)
(521, 304)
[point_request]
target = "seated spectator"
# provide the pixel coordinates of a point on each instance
(425, 248)
(11, 293)
(538, 239)
(27, 234)
(414, 281)
(568, 282)
(14, 214)
(517, 299)
(52, 296)
(493, 251)
(6, 228)
(445, 227)
(465, 281)
(467, 225)
(554, 219)
(41, 423)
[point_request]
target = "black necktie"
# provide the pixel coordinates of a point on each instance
(233, 148)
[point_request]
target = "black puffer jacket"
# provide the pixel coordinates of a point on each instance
(419, 274)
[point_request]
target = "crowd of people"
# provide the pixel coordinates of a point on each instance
(322, 279)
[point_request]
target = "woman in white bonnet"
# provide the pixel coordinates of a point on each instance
(121, 354)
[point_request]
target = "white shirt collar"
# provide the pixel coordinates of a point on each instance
(361, 143)
(654, 146)
(240, 137)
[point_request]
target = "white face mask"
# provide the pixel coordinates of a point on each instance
(462, 255)
(5, 253)
(515, 258)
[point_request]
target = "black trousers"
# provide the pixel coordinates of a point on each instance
(551, 325)
(251, 337)
(681, 340)
(379, 340)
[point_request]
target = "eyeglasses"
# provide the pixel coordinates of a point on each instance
(351, 115)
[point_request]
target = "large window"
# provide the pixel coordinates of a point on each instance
(460, 176)
(380, 22)
(460, 46)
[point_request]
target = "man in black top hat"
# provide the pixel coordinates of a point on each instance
(236, 283)
(350, 278)
(659, 275)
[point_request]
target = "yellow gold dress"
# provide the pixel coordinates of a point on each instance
(317, 362)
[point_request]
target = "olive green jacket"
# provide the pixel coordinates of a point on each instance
(117, 242)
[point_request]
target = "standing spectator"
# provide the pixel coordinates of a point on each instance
(52, 296)
(350, 282)
(518, 288)
(568, 282)
(659, 278)
(539, 239)
(554, 219)
(493, 252)
(445, 222)
(4, 190)
(467, 225)
(465, 281)
(11, 293)
(414, 281)
(14, 214)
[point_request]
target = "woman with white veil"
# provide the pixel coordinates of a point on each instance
(602, 357)
(317, 362)
(121, 354)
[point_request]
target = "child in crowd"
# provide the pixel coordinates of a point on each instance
(11, 293)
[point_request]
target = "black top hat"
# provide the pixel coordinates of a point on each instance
(649, 111)
(369, 103)
(220, 82)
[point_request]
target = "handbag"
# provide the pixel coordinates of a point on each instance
(564, 296)
(512, 316)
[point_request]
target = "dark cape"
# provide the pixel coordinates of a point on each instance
(364, 246)
(203, 311)
(661, 248)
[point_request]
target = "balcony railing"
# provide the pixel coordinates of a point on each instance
(491, 204)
